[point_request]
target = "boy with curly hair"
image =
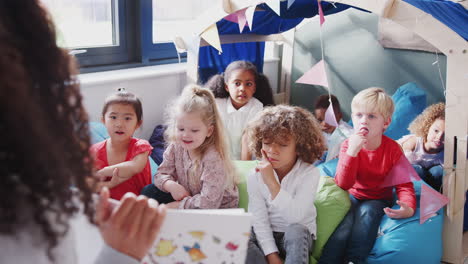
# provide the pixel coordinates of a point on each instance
(283, 187)
(365, 160)
(424, 148)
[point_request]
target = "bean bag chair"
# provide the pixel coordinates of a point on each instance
(410, 101)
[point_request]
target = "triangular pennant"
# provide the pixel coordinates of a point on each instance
(290, 2)
(249, 14)
(431, 201)
(330, 117)
(316, 75)
(402, 172)
(238, 17)
(274, 5)
(320, 11)
(211, 36)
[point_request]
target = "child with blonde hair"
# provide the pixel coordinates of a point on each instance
(122, 160)
(241, 92)
(282, 190)
(365, 159)
(196, 171)
(424, 148)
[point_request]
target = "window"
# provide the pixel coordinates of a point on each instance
(114, 34)
(167, 19)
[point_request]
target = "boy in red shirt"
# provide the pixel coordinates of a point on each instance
(366, 158)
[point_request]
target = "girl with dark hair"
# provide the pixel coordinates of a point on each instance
(44, 151)
(122, 114)
(241, 92)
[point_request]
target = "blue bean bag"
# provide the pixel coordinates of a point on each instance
(410, 101)
(98, 133)
(403, 241)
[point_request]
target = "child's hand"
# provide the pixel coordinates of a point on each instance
(178, 192)
(356, 142)
(132, 225)
(266, 169)
(274, 258)
(404, 212)
(101, 175)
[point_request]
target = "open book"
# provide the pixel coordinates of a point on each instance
(187, 236)
(202, 236)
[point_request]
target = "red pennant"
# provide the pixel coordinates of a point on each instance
(322, 17)
(402, 172)
(431, 201)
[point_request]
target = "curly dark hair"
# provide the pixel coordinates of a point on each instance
(44, 127)
(263, 93)
(279, 122)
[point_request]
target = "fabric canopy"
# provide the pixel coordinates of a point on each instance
(266, 22)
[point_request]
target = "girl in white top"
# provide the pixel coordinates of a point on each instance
(282, 190)
(424, 148)
(241, 92)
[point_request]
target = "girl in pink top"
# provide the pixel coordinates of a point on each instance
(196, 171)
(121, 160)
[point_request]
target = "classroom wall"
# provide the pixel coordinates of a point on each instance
(155, 85)
(356, 61)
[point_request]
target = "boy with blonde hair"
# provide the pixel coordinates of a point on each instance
(365, 160)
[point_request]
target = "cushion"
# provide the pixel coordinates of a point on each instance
(158, 143)
(98, 132)
(332, 204)
(328, 168)
(410, 101)
(399, 239)
(244, 168)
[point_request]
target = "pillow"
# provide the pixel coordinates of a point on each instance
(399, 239)
(98, 132)
(410, 101)
(328, 168)
(332, 203)
(243, 169)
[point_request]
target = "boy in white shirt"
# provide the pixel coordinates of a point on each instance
(283, 188)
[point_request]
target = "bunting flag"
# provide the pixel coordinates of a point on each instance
(290, 2)
(249, 14)
(402, 172)
(431, 201)
(330, 117)
(315, 76)
(239, 18)
(211, 36)
(322, 17)
(274, 5)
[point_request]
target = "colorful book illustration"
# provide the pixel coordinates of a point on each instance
(202, 236)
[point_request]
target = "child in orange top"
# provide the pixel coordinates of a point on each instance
(122, 160)
(365, 160)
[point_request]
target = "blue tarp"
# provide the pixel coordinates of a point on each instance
(266, 22)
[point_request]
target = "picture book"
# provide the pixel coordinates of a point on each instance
(202, 236)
